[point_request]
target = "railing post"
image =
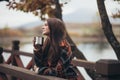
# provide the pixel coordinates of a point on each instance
(2, 75)
(15, 46)
(108, 69)
(1, 57)
(16, 58)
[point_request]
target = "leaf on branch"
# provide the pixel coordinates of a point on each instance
(38, 7)
(117, 15)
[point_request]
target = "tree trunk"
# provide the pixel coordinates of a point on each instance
(58, 10)
(5, 0)
(107, 28)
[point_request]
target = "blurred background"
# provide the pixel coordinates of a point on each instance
(82, 22)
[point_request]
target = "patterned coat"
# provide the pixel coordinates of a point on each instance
(62, 68)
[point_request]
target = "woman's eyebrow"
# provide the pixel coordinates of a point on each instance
(45, 24)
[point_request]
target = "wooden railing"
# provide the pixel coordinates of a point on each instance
(25, 74)
(14, 66)
(105, 69)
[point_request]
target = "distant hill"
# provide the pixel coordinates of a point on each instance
(80, 16)
(30, 25)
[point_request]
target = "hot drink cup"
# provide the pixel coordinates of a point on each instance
(39, 40)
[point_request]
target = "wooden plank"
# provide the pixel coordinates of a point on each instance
(18, 52)
(30, 64)
(24, 73)
(18, 61)
(7, 50)
(24, 53)
(84, 63)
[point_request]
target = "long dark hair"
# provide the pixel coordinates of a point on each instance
(57, 34)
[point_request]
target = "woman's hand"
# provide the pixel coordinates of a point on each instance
(47, 71)
(36, 69)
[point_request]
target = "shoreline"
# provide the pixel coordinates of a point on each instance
(8, 40)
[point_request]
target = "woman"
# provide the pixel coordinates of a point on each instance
(54, 57)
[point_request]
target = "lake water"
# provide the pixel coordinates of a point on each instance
(92, 51)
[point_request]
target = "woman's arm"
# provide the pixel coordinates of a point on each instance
(37, 53)
(38, 59)
(41, 68)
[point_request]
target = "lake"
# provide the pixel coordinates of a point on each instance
(92, 51)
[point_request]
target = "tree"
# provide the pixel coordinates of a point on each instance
(107, 28)
(41, 8)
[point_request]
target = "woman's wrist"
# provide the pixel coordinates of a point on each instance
(36, 49)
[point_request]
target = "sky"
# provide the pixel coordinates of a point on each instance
(75, 11)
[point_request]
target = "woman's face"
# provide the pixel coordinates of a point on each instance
(45, 29)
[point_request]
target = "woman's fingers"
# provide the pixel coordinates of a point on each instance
(36, 69)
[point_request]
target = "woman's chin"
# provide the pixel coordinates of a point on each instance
(46, 34)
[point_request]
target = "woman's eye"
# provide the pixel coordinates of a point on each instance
(46, 24)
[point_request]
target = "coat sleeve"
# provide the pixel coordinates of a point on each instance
(43, 69)
(38, 58)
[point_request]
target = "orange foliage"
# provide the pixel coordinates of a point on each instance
(10, 33)
(39, 8)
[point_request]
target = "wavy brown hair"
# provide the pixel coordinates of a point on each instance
(57, 34)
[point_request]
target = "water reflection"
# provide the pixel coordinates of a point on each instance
(96, 51)
(92, 51)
